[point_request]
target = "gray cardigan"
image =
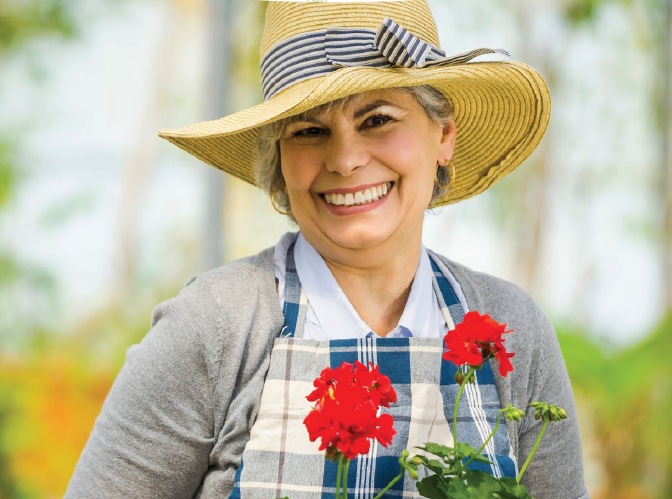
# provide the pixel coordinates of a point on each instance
(178, 416)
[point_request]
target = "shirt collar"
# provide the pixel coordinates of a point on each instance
(336, 315)
(417, 314)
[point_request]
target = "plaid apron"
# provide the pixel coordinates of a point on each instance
(279, 460)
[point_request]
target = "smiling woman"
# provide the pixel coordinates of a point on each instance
(365, 124)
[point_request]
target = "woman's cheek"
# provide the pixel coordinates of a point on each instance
(298, 168)
(400, 151)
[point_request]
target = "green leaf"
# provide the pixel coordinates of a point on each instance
(458, 490)
(463, 450)
(438, 449)
(449, 466)
(510, 485)
(436, 466)
(432, 487)
(481, 459)
(481, 484)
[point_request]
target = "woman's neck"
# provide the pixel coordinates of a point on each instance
(379, 291)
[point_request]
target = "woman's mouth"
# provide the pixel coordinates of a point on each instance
(344, 202)
(362, 197)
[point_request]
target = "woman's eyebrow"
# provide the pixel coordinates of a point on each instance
(371, 106)
(308, 119)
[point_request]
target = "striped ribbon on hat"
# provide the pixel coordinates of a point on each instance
(321, 52)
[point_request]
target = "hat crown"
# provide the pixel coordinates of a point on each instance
(285, 19)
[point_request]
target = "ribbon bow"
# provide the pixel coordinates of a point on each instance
(390, 45)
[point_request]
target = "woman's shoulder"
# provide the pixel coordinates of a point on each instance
(244, 272)
(233, 284)
(223, 303)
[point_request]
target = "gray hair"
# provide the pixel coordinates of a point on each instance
(268, 173)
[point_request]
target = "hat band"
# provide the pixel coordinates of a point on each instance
(319, 53)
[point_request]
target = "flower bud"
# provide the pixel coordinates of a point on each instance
(459, 377)
(554, 413)
(405, 454)
(562, 413)
(513, 414)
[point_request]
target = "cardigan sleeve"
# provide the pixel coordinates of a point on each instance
(155, 432)
(556, 470)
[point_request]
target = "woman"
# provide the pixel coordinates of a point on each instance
(365, 124)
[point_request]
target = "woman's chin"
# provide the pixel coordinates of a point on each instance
(358, 236)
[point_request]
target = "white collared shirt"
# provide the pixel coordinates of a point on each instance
(331, 316)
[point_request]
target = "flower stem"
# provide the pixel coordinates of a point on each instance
(389, 485)
(345, 479)
(338, 476)
(534, 449)
(457, 403)
(499, 416)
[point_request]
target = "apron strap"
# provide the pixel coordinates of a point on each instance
(450, 305)
(296, 301)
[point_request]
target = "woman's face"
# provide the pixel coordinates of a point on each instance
(362, 173)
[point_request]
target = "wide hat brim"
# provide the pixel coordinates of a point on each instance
(501, 110)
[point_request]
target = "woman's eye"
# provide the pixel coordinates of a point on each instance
(378, 120)
(312, 131)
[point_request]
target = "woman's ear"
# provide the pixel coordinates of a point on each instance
(447, 142)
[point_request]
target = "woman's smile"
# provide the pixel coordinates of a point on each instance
(352, 201)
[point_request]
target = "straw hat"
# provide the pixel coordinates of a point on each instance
(316, 52)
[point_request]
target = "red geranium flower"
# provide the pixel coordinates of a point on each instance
(475, 340)
(346, 410)
(379, 386)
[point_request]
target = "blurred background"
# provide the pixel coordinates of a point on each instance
(100, 219)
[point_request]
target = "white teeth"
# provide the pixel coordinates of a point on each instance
(360, 197)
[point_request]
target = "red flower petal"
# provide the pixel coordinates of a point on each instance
(475, 339)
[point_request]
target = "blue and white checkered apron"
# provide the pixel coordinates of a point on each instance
(279, 459)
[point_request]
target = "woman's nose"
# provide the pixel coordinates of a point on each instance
(346, 152)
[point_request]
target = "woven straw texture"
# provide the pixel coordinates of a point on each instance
(501, 108)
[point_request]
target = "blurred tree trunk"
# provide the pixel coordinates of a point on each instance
(138, 168)
(534, 189)
(221, 14)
